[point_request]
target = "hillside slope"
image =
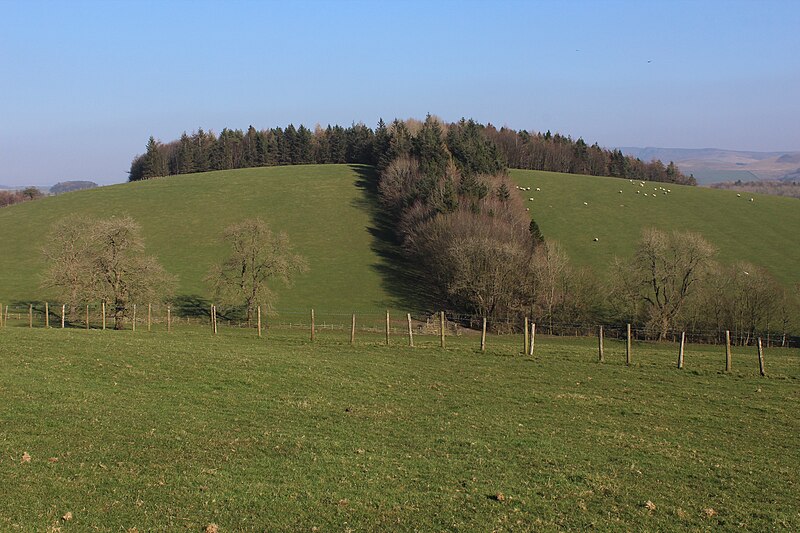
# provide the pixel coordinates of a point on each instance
(329, 215)
(764, 232)
(324, 209)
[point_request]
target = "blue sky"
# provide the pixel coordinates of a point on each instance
(84, 84)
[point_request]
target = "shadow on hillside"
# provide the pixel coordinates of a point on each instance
(192, 305)
(402, 279)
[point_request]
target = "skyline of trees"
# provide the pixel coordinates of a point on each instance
(203, 151)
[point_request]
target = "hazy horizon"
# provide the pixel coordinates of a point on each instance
(86, 83)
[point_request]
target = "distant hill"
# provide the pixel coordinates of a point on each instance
(328, 213)
(69, 186)
(710, 165)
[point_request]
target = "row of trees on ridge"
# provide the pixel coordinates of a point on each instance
(202, 151)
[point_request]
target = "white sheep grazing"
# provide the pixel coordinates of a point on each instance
(585, 203)
(538, 189)
(645, 194)
(620, 192)
(738, 196)
(596, 239)
(637, 192)
(530, 199)
(752, 200)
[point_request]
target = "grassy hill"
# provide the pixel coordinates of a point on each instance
(763, 232)
(322, 208)
(328, 213)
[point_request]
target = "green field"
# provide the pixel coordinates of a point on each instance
(177, 431)
(764, 232)
(329, 214)
(324, 210)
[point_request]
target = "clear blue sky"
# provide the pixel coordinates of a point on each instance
(84, 84)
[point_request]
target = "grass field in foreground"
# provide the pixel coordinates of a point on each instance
(763, 232)
(176, 431)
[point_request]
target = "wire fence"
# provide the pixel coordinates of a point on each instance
(160, 316)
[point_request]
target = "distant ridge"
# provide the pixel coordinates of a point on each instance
(710, 165)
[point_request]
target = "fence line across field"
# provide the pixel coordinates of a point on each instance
(440, 324)
(370, 320)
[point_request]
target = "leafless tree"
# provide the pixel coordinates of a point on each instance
(664, 272)
(91, 259)
(257, 256)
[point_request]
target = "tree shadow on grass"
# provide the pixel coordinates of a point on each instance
(192, 305)
(404, 281)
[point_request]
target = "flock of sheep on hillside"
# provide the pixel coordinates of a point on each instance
(641, 185)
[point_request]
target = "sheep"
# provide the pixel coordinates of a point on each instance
(596, 239)
(738, 196)
(538, 189)
(637, 192)
(752, 200)
(530, 199)
(620, 192)
(585, 203)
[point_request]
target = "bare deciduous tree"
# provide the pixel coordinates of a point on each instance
(663, 273)
(104, 260)
(257, 256)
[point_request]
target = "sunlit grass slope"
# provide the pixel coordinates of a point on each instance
(324, 209)
(765, 231)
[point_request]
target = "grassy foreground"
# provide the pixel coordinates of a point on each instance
(176, 431)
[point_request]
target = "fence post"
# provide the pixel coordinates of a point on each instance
(312, 326)
(410, 331)
(728, 360)
(133, 321)
(533, 337)
(525, 342)
(149, 315)
(30, 315)
(387, 327)
(353, 330)
(259, 321)
(1, 316)
(600, 353)
(483, 335)
(214, 319)
(87, 317)
(628, 347)
(441, 329)
(63, 310)
(46, 315)
(104, 314)
(761, 359)
(169, 319)
(680, 352)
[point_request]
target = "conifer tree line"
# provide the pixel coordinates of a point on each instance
(202, 151)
